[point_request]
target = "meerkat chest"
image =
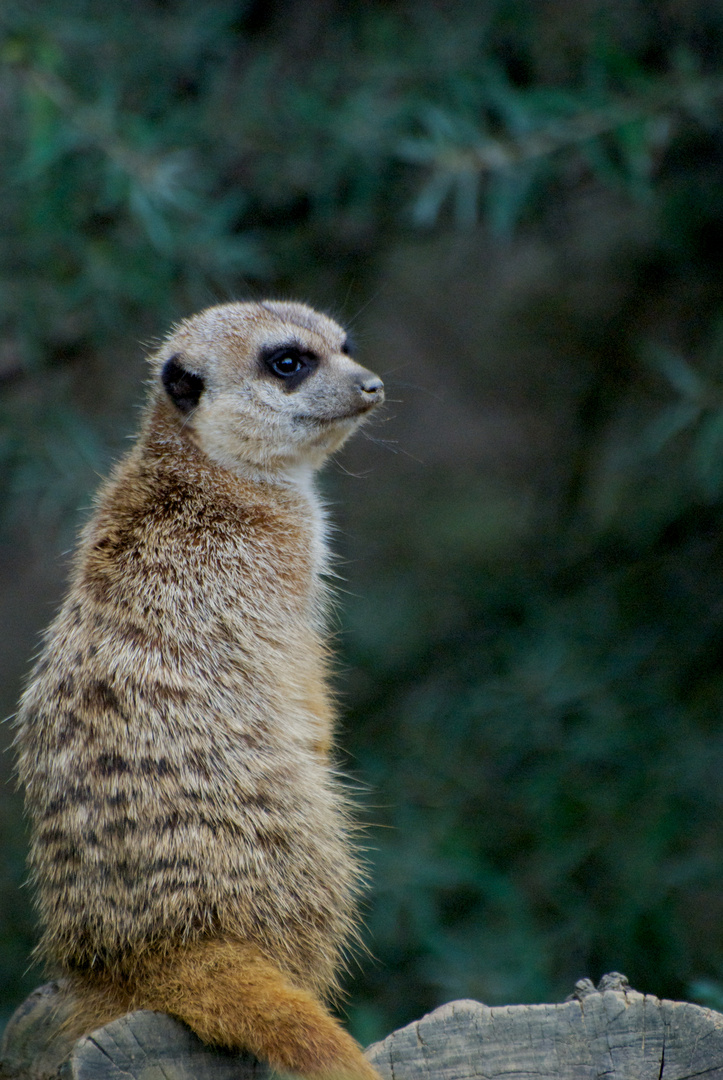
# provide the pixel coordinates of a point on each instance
(244, 621)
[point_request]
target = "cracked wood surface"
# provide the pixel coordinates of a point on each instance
(608, 1033)
(612, 1033)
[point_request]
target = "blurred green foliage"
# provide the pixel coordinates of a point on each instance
(533, 687)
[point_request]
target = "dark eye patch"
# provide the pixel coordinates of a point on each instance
(182, 386)
(289, 364)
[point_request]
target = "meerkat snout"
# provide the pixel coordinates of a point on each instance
(373, 389)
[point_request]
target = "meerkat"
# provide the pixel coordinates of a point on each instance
(191, 844)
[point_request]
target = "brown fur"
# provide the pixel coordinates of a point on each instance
(191, 845)
(232, 996)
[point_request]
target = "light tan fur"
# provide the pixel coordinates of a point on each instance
(191, 845)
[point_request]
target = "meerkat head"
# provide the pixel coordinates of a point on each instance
(267, 385)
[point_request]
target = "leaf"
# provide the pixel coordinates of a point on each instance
(669, 423)
(466, 198)
(430, 199)
(707, 455)
(681, 376)
(508, 191)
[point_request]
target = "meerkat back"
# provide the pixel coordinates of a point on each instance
(191, 848)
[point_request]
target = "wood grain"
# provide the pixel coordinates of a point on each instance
(606, 1033)
(156, 1047)
(612, 1032)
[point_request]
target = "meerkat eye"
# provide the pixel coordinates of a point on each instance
(286, 365)
(290, 364)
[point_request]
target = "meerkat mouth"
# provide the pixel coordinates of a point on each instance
(311, 421)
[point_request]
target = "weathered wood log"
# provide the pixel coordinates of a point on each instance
(33, 1043)
(611, 1032)
(144, 1044)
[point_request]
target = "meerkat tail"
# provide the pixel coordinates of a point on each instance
(232, 996)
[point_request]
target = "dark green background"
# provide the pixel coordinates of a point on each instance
(518, 208)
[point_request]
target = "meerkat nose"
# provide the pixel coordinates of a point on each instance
(372, 385)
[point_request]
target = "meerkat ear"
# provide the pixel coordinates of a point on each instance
(183, 387)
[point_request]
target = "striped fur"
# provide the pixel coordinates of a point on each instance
(174, 740)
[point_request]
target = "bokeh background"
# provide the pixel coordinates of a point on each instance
(518, 210)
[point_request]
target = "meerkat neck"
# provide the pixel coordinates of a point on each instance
(165, 435)
(298, 477)
(164, 439)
